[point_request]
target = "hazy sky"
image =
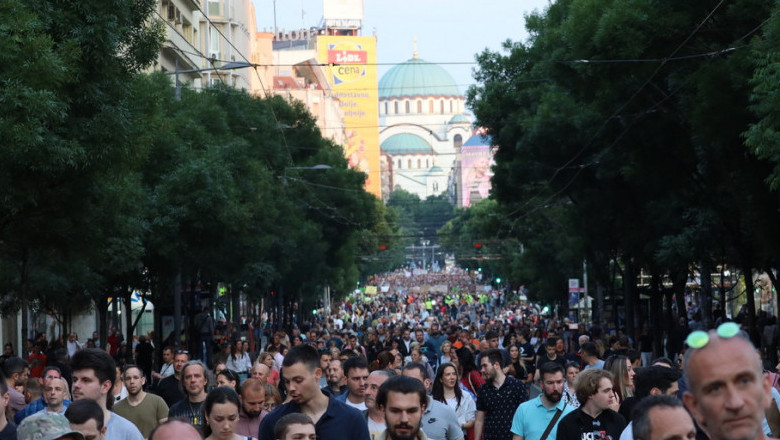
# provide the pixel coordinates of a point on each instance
(447, 31)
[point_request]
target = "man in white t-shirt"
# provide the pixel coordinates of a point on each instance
(375, 416)
(356, 372)
(94, 373)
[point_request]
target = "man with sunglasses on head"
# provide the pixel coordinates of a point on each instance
(727, 390)
(169, 388)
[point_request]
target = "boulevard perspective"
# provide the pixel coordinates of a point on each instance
(217, 226)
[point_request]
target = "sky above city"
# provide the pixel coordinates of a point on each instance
(450, 32)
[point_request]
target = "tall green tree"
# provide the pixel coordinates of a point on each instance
(614, 113)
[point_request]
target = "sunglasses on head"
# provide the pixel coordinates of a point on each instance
(700, 338)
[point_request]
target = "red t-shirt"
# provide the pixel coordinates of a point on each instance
(37, 364)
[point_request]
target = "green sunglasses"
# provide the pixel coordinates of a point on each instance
(700, 338)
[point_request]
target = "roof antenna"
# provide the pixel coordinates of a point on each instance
(414, 54)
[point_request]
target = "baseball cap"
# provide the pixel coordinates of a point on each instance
(45, 426)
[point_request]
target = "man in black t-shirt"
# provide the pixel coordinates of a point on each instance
(550, 356)
(593, 420)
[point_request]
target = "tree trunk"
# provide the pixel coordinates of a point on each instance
(657, 316)
(177, 311)
(630, 297)
(706, 293)
(750, 318)
(102, 309)
(128, 301)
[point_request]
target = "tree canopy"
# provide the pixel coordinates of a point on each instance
(621, 131)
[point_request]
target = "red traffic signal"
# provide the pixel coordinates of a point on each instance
(382, 247)
(478, 245)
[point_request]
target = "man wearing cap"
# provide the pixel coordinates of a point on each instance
(43, 426)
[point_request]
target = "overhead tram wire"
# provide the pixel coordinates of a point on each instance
(260, 80)
(199, 54)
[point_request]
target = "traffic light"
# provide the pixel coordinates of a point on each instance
(498, 281)
(382, 247)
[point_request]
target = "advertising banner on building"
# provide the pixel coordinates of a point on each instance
(476, 160)
(352, 75)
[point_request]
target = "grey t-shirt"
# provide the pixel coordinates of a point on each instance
(119, 428)
(440, 422)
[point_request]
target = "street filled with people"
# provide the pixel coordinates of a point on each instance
(413, 355)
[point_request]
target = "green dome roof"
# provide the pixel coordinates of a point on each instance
(417, 77)
(406, 143)
(459, 119)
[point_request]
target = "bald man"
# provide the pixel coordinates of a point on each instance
(174, 429)
(727, 390)
(260, 371)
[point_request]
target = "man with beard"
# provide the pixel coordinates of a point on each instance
(145, 410)
(403, 400)
(194, 380)
(336, 386)
(16, 371)
(251, 412)
(375, 416)
(497, 400)
(169, 388)
(536, 417)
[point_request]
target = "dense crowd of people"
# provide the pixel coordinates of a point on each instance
(436, 356)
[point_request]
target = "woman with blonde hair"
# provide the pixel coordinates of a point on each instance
(623, 376)
(272, 398)
(267, 358)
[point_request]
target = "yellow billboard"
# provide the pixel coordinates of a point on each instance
(351, 71)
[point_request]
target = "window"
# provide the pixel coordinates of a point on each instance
(409, 163)
(435, 186)
(441, 106)
(427, 164)
(399, 164)
(215, 8)
(430, 106)
(457, 141)
(451, 106)
(419, 163)
(408, 107)
(395, 107)
(419, 106)
(387, 104)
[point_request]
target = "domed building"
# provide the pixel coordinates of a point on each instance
(421, 128)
